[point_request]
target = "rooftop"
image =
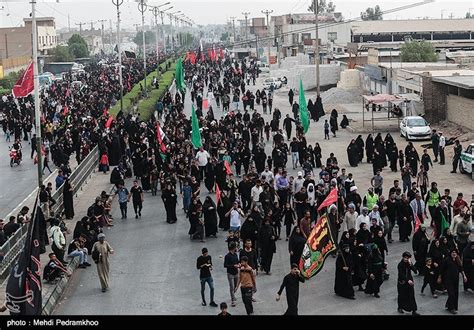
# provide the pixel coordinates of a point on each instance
(466, 82)
(412, 25)
(422, 65)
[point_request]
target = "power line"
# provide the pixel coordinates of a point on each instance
(326, 25)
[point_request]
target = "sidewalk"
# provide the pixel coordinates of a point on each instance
(85, 198)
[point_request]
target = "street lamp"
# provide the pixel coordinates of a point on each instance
(162, 14)
(142, 7)
(156, 11)
(171, 27)
(117, 4)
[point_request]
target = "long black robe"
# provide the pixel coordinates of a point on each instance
(296, 245)
(352, 154)
(375, 267)
(68, 201)
(267, 243)
(369, 148)
(343, 283)
(210, 217)
(450, 276)
(115, 151)
(420, 248)
(360, 266)
(249, 230)
(169, 199)
(210, 179)
(406, 292)
(360, 148)
(224, 206)
(291, 283)
(468, 256)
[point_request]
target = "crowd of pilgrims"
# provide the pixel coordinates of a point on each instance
(266, 198)
(73, 114)
(73, 120)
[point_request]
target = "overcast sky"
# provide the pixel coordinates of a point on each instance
(214, 11)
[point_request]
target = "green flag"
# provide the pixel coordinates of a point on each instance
(195, 134)
(179, 76)
(303, 109)
(444, 224)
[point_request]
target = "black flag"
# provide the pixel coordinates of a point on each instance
(130, 54)
(116, 49)
(23, 291)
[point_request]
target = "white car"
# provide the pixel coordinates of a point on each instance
(466, 165)
(268, 82)
(264, 68)
(415, 128)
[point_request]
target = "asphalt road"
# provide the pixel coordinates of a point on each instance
(153, 269)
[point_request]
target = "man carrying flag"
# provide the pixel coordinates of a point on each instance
(195, 133)
(440, 222)
(304, 115)
(23, 291)
(320, 242)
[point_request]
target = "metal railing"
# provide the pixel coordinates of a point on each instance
(11, 249)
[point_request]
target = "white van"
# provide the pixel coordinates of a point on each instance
(268, 82)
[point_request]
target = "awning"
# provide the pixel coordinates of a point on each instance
(381, 98)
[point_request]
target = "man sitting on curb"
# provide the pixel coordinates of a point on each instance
(76, 249)
(54, 269)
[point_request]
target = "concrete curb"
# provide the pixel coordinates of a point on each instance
(50, 302)
(52, 299)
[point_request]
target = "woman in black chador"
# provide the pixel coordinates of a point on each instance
(369, 148)
(344, 266)
(352, 153)
(210, 217)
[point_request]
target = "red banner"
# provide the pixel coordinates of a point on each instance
(25, 84)
(109, 122)
(331, 199)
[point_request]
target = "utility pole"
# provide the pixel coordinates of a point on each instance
(316, 47)
(171, 32)
(36, 94)
(233, 27)
(117, 4)
(256, 48)
(80, 27)
(68, 23)
(155, 10)
(246, 14)
(142, 7)
(268, 12)
(102, 21)
(92, 25)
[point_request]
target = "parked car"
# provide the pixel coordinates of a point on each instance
(263, 67)
(268, 82)
(466, 165)
(415, 128)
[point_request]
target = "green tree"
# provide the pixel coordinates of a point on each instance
(225, 36)
(469, 15)
(372, 14)
(78, 50)
(149, 38)
(76, 39)
(323, 7)
(61, 54)
(418, 51)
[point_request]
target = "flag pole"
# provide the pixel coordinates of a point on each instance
(36, 95)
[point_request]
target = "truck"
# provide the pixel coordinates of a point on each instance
(466, 163)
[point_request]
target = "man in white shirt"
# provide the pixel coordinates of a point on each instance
(202, 157)
(235, 214)
(442, 145)
(363, 218)
(255, 192)
(298, 183)
(267, 174)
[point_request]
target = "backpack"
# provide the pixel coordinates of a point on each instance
(96, 256)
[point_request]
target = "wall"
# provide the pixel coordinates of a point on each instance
(329, 75)
(461, 111)
(342, 30)
(349, 79)
(14, 42)
(434, 99)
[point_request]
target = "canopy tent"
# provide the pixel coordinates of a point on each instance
(378, 100)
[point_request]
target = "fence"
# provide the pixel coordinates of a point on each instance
(12, 248)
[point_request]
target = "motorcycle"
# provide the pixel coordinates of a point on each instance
(15, 157)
